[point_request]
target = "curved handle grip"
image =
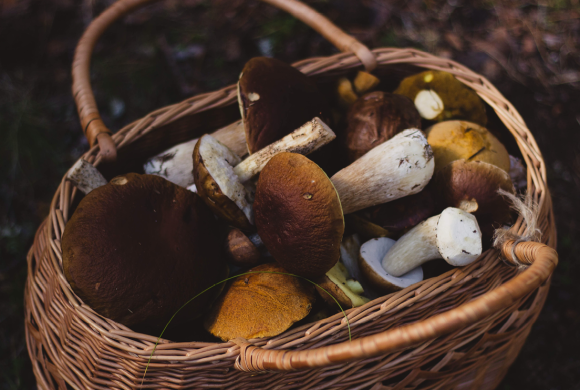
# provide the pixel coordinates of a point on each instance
(94, 128)
(542, 258)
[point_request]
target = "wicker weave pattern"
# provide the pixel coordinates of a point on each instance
(69, 343)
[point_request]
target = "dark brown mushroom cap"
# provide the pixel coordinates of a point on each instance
(404, 213)
(276, 99)
(460, 183)
(240, 249)
(376, 117)
(214, 196)
(260, 305)
(459, 101)
(298, 215)
(138, 248)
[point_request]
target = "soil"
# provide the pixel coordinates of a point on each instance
(172, 50)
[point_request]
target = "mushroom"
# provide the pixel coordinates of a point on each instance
(370, 259)
(137, 248)
(349, 249)
(440, 96)
(299, 211)
(473, 187)
(398, 216)
(454, 140)
(262, 304)
(240, 249)
(338, 283)
(364, 82)
(346, 95)
(85, 176)
(375, 118)
(219, 174)
(275, 98)
(176, 165)
(453, 235)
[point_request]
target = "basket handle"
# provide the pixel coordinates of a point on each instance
(91, 122)
(542, 258)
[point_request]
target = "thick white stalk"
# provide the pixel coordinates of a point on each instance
(453, 235)
(176, 165)
(85, 176)
(306, 139)
(400, 167)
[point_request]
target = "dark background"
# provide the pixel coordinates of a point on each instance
(175, 49)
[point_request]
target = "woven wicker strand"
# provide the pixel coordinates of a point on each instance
(459, 330)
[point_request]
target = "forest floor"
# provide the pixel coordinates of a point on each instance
(175, 49)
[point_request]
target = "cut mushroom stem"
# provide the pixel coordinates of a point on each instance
(396, 168)
(85, 176)
(371, 255)
(175, 164)
(454, 236)
(306, 139)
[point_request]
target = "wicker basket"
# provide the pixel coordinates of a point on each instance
(460, 330)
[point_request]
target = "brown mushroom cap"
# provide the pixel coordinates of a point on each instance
(404, 213)
(218, 185)
(298, 215)
(275, 99)
(472, 187)
(458, 100)
(260, 305)
(376, 117)
(454, 140)
(138, 248)
(240, 249)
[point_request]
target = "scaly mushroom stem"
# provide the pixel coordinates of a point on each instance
(175, 164)
(453, 235)
(304, 140)
(399, 167)
(85, 176)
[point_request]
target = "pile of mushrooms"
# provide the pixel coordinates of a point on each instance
(247, 195)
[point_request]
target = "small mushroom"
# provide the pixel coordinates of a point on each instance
(454, 140)
(346, 95)
(365, 82)
(473, 187)
(370, 259)
(338, 283)
(453, 235)
(439, 96)
(276, 98)
(263, 304)
(219, 174)
(375, 118)
(241, 250)
(137, 248)
(176, 165)
(349, 249)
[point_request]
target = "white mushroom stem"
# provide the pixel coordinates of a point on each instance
(85, 176)
(176, 165)
(453, 235)
(305, 140)
(400, 167)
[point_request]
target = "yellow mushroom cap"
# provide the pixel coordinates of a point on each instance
(455, 140)
(260, 304)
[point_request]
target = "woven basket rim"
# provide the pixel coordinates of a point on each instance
(116, 337)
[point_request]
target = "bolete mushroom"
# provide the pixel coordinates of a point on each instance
(262, 304)
(299, 211)
(375, 118)
(240, 249)
(439, 96)
(276, 98)
(454, 140)
(338, 284)
(473, 187)
(219, 174)
(176, 165)
(370, 259)
(136, 249)
(453, 235)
